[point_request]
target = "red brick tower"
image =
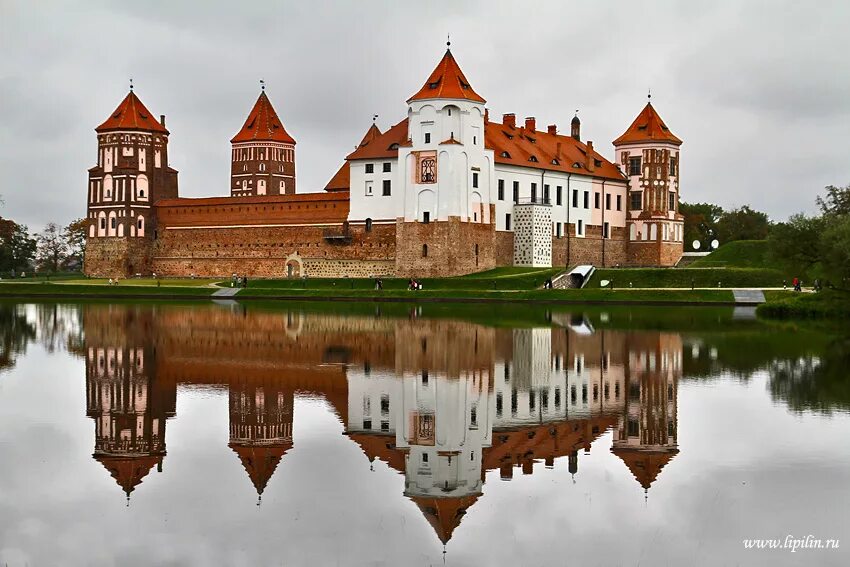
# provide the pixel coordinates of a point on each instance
(131, 174)
(263, 155)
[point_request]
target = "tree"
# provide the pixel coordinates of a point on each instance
(743, 224)
(835, 250)
(52, 247)
(700, 222)
(837, 201)
(795, 245)
(17, 247)
(75, 238)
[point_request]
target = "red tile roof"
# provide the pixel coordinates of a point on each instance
(645, 464)
(128, 470)
(131, 114)
(341, 181)
(647, 127)
(263, 125)
(521, 144)
(444, 514)
(516, 141)
(447, 81)
(383, 146)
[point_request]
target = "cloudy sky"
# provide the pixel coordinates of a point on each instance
(758, 91)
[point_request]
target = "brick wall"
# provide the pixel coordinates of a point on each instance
(589, 248)
(654, 253)
(114, 257)
(451, 248)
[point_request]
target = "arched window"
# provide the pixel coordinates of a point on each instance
(424, 250)
(368, 225)
(506, 155)
(140, 226)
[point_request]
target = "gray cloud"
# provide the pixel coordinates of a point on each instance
(758, 91)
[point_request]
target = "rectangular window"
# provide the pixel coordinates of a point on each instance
(367, 424)
(426, 217)
(368, 188)
(634, 166)
(387, 167)
(587, 199)
(636, 198)
(427, 137)
(672, 202)
(672, 166)
(501, 190)
(605, 231)
(559, 195)
(579, 227)
(608, 202)
(499, 404)
(475, 180)
(557, 398)
(546, 194)
(558, 229)
(575, 198)
(596, 200)
(387, 187)
(508, 221)
(516, 192)
(370, 168)
(619, 202)
(534, 192)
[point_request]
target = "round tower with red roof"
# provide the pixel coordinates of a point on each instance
(263, 154)
(131, 174)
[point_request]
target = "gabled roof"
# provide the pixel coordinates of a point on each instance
(131, 114)
(647, 127)
(645, 464)
(341, 181)
(447, 81)
(520, 144)
(260, 461)
(382, 146)
(263, 125)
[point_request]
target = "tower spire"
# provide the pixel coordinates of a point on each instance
(262, 85)
(131, 84)
(448, 41)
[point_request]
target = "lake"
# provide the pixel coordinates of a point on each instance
(391, 434)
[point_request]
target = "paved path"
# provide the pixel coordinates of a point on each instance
(748, 296)
(226, 292)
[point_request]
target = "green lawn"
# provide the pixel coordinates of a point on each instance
(97, 289)
(148, 282)
(794, 305)
(500, 279)
(737, 254)
(686, 277)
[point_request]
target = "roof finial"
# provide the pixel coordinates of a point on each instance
(262, 85)
(131, 84)
(374, 117)
(448, 41)
(576, 111)
(649, 95)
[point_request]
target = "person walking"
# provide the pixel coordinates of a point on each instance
(795, 284)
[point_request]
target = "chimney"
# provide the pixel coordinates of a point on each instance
(552, 129)
(588, 159)
(530, 124)
(162, 120)
(486, 115)
(509, 120)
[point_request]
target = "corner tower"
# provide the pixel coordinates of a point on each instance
(649, 154)
(263, 154)
(446, 172)
(131, 174)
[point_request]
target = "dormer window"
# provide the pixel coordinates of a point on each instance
(506, 155)
(555, 161)
(464, 86)
(597, 163)
(393, 146)
(642, 127)
(530, 139)
(434, 85)
(533, 159)
(576, 165)
(509, 136)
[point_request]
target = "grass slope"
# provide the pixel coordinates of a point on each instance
(686, 277)
(793, 305)
(737, 254)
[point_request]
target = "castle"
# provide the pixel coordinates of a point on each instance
(446, 191)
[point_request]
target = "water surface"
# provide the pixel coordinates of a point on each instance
(330, 434)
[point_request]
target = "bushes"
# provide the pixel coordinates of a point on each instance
(790, 305)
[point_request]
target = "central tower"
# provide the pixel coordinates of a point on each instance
(446, 172)
(263, 154)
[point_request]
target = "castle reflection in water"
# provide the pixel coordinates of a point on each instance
(440, 401)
